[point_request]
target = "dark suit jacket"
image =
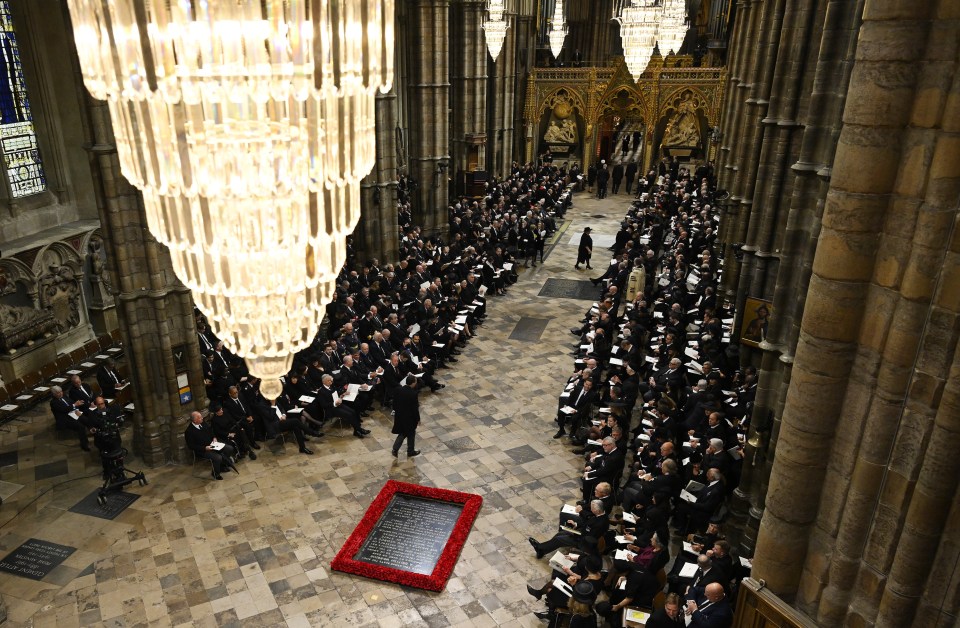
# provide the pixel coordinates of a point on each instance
(81, 394)
(106, 381)
(61, 408)
(660, 619)
(406, 410)
(717, 615)
(607, 467)
(198, 439)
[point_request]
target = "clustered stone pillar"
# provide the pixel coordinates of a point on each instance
(427, 36)
(504, 107)
(155, 310)
(377, 233)
(860, 526)
(468, 82)
(778, 127)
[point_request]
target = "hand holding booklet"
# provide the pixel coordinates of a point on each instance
(216, 446)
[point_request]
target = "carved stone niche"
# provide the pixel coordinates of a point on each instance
(26, 332)
(100, 287)
(59, 272)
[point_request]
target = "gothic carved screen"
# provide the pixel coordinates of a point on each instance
(18, 142)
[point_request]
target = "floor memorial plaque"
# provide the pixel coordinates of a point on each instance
(410, 535)
(35, 559)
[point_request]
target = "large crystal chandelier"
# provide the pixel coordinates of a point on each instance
(495, 28)
(643, 23)
(639, 22)
(558, 29)
(673, 27)
(247, 125)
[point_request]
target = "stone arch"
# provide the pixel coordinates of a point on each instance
(562, 94)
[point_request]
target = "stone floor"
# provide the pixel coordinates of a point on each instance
(255, 549)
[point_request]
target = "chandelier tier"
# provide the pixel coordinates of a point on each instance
(558, 29)
(646, 23)
(247, 126)
(495, 28)
(673, 27)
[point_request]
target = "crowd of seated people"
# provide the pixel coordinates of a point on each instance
(658, 412)
(388, 321)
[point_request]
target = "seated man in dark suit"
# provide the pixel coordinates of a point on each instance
(670, 616)
(108, 379)
(591, 527)
(694, 516)
(201, 440)
(227, 430)
(713, 611)
(62, 407)
(81, 392)
(333, 407)
(605, 467)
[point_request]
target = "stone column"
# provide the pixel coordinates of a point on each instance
(468, 84)
(506, 105)
(377, 232)
(155, 310)
(864, 484)
(791, 203)
(429, 131)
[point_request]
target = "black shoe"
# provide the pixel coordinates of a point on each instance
(576, 266)
(358, 433)
(578, 452)
(305, 450)
(544, 615)
(253, 456)
(452, 359)
(411, 454)
(394, 452)
(216, 476)
(537, 593)
(278, 440)
(559, 434)
(575, 332)
(255, 445)
(364, 431)
(589, 266)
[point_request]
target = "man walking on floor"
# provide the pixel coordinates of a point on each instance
(406, 416)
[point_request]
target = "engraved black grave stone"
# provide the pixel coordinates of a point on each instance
(35, 559)
(411, 534)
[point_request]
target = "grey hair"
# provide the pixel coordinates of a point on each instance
(56, 389)
(609, 441)
(597, 505)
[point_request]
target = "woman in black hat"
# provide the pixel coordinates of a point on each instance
(586, 587)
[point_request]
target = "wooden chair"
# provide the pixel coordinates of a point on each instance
(48, 371)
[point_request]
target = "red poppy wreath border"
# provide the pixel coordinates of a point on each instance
(437, 580)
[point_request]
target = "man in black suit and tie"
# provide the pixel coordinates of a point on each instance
(580, 400)
(201, 440)
(670, 616)
(713, 612)
(108, 379)
(605, 467)
(242, 415)
(406, 416)
(694, 516)
(592, 525)
(62, 407)
(81, 392)
(333, 407)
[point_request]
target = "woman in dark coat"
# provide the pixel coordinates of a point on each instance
(585, 250)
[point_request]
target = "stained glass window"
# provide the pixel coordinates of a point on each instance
(18, 141)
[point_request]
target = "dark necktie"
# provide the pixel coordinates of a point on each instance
(242, 409)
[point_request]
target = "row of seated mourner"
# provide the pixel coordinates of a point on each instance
(654, 406)
(658, 412)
